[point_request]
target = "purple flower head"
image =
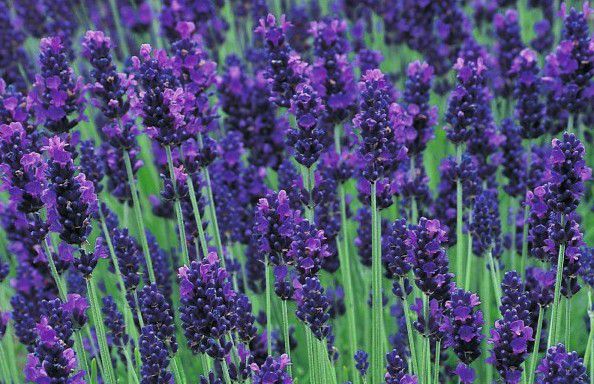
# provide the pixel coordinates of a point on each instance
(463, 106)
(510, 340)
(560, 366)
(567, 173)
(587, 270)
(313, 306)
(362, 363)
(485, 226)
(70, 198)
(76, 307)
(157, 313)
(427, 255)
(154, 356)
(540, 285)
(514, 298)
(467, 324)
(385, 191)
(308, 250)
(397, 369)
(56, 95)
(514, 160)
(529, 108)
(444, 208)
(465, 373)
(93, 168)
(114, 322)
(285, 70)
(544, 39)
(395, 252)
(307, 139)
(208, 307)
(127, 252)
(274, 226)
(272, 371)
(432, 321)
(33, 12)
(368, 59)
(508, 46)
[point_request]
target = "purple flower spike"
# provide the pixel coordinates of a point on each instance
(313, 306)
(486, 225)
(427, 255)
(560, 366)
(361, 358)
(508, 47)
(529, 107)
(514, 298)
(309, 249)
(157, 313)
(154, 356)
(76, 307)
(467, 323)
(514, 160)
(465, 373)
(272, 371)
(397, 368)
(208, 307)
(56, 94)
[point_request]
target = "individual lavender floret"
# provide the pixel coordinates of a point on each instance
(486, 225)
(76, 307)
(432, 322)
(567, 173)
(154, 356)
(560, 366)
(114, 321)
(465, 373)
(467, 324)
(509, 45)
(463, 104)
(309, 249)
(510, 339)
(514, 161)
(529, 108)
(416, 96)
(272, 371)
(514, 298)
(374, 123)
(70, 198)
(127, 252)
(397, 369)
(156, 312)
(313, 306)
(53, 361)
(285, 70)
(362, 363)
(427, 255)
(208, 305)
(57, 94)
(307, 139)
(275, 226)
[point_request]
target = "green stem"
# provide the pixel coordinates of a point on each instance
(268, 306)
(130, 365)
(493, 272)
(197, 217)
(6, 377)
(178, 211)
(469, 255)
(213, 214)
(108, 373)
(138, 216)
(225, 370)
(54, 272)
(313, 378)
(177, 369)
(409, 330)
(591, 334)
(81, 354)
(459, 213)
(436, 366)
(557, 295)
(377, 310)
(119, 29)
(286, 333)
(567, 323)
(534, 357)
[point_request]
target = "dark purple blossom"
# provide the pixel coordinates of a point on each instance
(514, 159)
(313, 306)
(467, 324)
(560, 366)
(272, 371)
(127, 252)
(157, 313)
(397, 369)
(114, 321)
(154, 356)
(486, 225)
(509, 45)
(362, 363)
(514, 298)
(465, 373)
(529, 108)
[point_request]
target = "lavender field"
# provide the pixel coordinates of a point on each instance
(286, 191)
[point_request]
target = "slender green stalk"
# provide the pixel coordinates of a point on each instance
(213, 214)
(567, 323)
(377, 334)
(108, 372)
(534, 357)
(313, 377)
(178, 211)
(459, 213)
(225, 370)
(286, 333)
(268, 279)
(409, 330)
(138, 216)
(62, 291)
(130, 365)
(81, 355)
(436, 366)
(557, 295)
(177, 369)
(493, 272)
(469, 256)
(119, 30)
(589, 347)
(6, 376)
(197, 217)
(512, 251)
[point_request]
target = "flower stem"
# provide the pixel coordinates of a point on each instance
(81, 354)
(268, 306)
(178, 211)
(459, 213)
(130, 365)
(138, 216)
(213, 216)
(590, 345)
(377, 310)
(436, 366)
(108, 373)
(557, 295)
(496, 286)
(62, 291)
(534, 357)
(469, 256)
(286, 333)
(197, 217)
(409, 330)
(567, 323)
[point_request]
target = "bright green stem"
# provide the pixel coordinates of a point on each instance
(534, 357)
(139, 219)
(130, 365)
(138, 310)
(409, 330)
(108, 372)
(567, 323)
(493, 272)
(55, 275)
(213, 214)
(6, 376)
(286, 333)
(225, 370)
(177, 369)
(178, 211)
(81, 355)
(313, 377)
(459, 213)
(268, 279)
(197, 217)
(469, 256)
(120, 31)
(436, 365)
(377, 352)
(589, 347)
(347, 283)
(557, 296)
